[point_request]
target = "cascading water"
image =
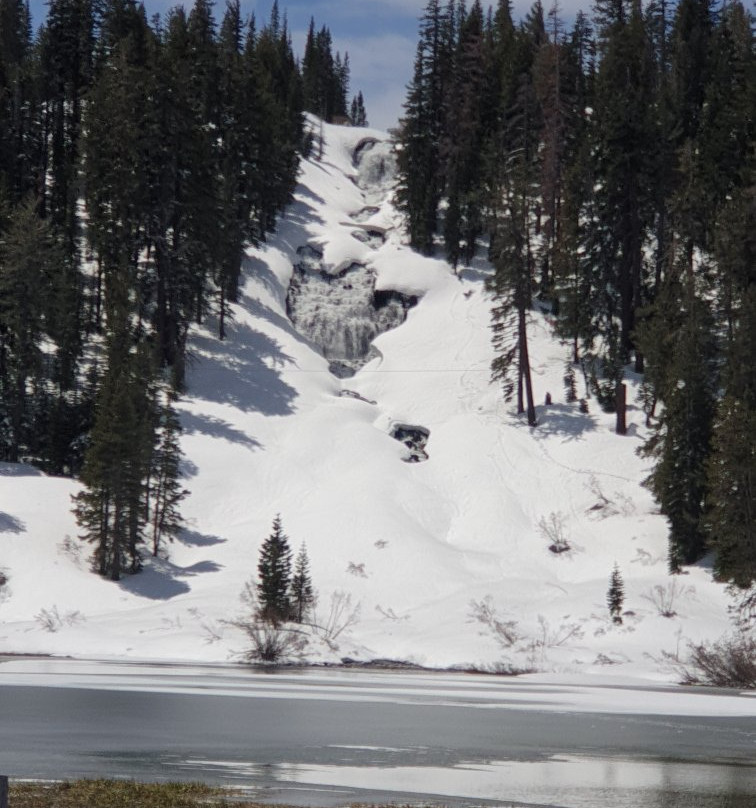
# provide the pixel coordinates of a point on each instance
(376, 168)
(342, 313)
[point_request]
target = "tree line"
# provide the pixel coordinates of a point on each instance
(609, 170)
(138, 158)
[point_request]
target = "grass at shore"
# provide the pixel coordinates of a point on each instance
(121, 794)
(130, 794)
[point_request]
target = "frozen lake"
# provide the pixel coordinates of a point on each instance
(334, 737)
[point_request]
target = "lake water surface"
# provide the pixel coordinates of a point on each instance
(333, 738)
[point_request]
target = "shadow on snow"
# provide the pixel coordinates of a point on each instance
(564, 420)
(234, 371)
(161, 580)
(194, 538)
(192, 423)
(9, 524)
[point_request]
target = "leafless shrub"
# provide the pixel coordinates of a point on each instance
(602, 501)
(643, 557)
(381, 544)
(212, 630)
(552, 529)
(625, 505)
(665, 597)
(729, 662)
(605, 506)
(52, 620)
(341, 615)
(743, 608)
(357, 569)
(554, 636)
(390, 614)
(271, 641)
(503, 631)
(71, 548)
(3, 578)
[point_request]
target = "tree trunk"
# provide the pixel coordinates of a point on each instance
(222, 318)
(621, 405)
(525, 364)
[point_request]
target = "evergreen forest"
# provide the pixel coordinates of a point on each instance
(608, 169)
(605, 168)
(138, 158)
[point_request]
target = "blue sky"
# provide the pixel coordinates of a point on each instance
(379, 35)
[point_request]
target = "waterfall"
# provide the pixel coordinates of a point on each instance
(342, 313)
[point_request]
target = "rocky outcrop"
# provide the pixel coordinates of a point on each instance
(415, 438)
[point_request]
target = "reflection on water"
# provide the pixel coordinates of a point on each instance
(563, 781)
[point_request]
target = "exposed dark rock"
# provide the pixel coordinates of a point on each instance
(370, 236)
(414, 438)
(385, 297)
(365, 214)
(354, 394)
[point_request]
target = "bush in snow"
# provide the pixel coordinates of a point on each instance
(505, 632)
(665, 597)
(271, 639)
(551, 527)
(272, 642)
(52, 620)
(729, 662)
(342, 614)
(743, 608)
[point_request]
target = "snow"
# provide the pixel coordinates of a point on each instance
(605, 695)
(416, 546)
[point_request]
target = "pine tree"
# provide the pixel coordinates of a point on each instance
(20, 131)
(67, 58)
(164, 491)
(110, 510)
(274, 576)
(420, 165)
(682, 437)
(302, 592)
(511, 252)
(615, 596)
(358, 115)
(461, 143)
(623, 146)
(26, 252)
(731, 515)
(235, 137)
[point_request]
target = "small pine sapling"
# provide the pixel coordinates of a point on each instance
(302, 595)
(615, 597)
(570, 384)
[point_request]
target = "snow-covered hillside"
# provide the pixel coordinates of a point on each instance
(425, 556)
